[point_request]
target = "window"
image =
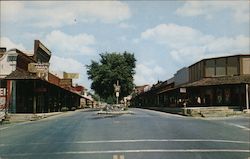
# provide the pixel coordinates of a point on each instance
(11, 58)
(210, 65)
(221, 67)
(232, 66)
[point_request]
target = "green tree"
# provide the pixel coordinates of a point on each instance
(110, 68)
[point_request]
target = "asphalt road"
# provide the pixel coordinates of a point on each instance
(144, 135)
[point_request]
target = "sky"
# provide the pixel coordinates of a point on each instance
(164, 36)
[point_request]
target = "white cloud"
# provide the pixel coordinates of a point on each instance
(174, 35)
(60, 13)
(65, 44)
(192, 45)
(209, 9)
(59, 64)
(9, 44)
(148, 73)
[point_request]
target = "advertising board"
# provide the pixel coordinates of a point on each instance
(2, 103)
(70, 75)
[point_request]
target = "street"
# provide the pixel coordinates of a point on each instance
(145, 134)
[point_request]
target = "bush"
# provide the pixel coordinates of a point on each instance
(64, 109)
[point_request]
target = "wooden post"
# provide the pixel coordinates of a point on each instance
(247, 97)
(34, 97)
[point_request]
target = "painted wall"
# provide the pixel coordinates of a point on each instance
(7, 63)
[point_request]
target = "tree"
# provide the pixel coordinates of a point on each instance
(110, 68)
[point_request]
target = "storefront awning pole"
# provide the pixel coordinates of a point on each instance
(247, 96)
(34, 97)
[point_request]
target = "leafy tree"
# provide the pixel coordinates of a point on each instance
(110, 68)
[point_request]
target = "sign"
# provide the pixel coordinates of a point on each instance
(2, 103)
(117, 87)
(65, 82)
(117, 94)
(38, 67)
(2, 92)
(41, 69)
(70, 75)
(183, 90)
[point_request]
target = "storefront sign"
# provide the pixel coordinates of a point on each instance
(2, 92)
(65, 82)
(2, 103)
(183, 90)
(41, 69)
(38, 67)
(70, 75)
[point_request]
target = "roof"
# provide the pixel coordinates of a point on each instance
(213, 81)
(211, 58)
(219, 81)
(21, 74)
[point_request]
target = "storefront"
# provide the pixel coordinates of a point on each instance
(30, 94)
(219, 91)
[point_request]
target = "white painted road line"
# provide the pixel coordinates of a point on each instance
(136, 141)
(161, 140)
(4, 128)
(134, 151)
(239, 126)
(154, 150)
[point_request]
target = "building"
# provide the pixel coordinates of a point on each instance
(220, 81)
(31, 88)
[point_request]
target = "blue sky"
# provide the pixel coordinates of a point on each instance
(164, 35)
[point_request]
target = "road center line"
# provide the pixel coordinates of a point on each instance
(161, 140)
(135, 141)
(134, 151)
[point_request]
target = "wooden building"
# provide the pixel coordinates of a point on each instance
(31, 88)
(220, 81)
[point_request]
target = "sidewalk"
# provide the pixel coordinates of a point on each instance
(29, 117)
(15, 118)
(205, 112)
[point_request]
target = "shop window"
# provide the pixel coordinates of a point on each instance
(227, 95)
(219, 96)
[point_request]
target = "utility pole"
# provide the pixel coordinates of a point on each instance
(117, 88)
